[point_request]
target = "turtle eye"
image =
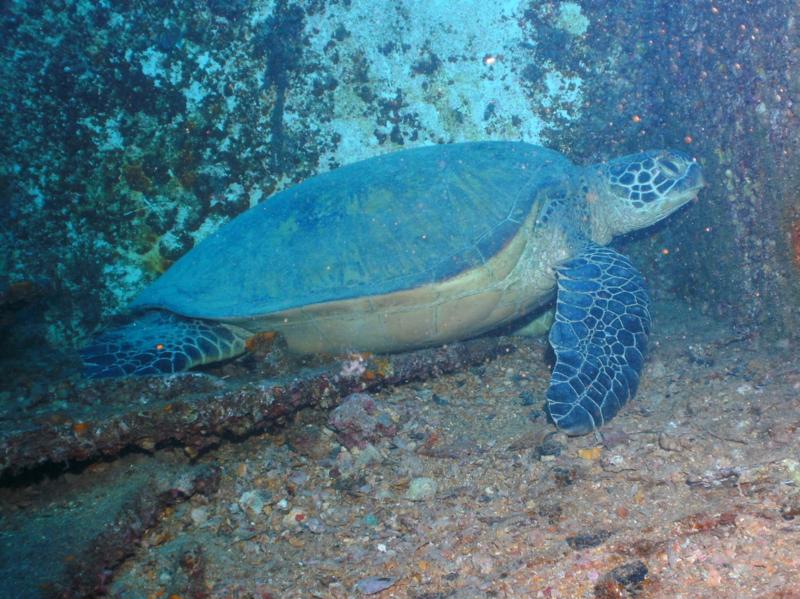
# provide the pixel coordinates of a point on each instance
(669, 167)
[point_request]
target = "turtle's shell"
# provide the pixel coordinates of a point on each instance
(390, 223)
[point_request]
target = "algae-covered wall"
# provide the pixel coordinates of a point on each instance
(721, 80)
(132, 129)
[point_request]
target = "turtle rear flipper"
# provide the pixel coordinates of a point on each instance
(599, 339)
(160, 342)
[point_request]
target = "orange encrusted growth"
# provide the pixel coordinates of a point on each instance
(261, 342)
(794, 231)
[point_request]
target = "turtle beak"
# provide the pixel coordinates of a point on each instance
(687, 188)
(693, 179)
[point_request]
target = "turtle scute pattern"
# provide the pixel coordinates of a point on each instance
(599, 338)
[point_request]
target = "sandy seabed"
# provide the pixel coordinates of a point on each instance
(459, 487)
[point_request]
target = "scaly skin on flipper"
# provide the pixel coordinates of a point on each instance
(599, 338)
(161, 343)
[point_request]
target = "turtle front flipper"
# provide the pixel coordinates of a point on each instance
(160, 343)
(599, 339)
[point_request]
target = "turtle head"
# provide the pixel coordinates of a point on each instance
(636, 191)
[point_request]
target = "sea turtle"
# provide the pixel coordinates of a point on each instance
(423, 247)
